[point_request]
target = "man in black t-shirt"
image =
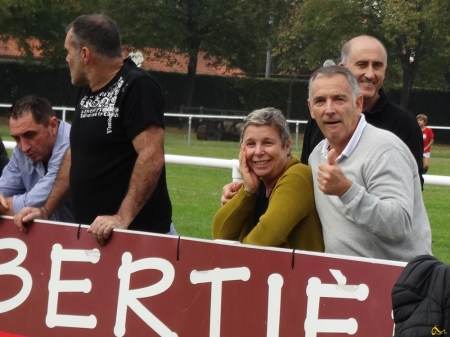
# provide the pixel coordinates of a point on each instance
(115, 165)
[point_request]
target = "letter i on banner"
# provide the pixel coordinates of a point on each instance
(275, 282)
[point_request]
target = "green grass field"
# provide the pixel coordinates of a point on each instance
(195, 191)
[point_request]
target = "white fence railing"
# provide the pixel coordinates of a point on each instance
(233, 164)
(65, 110)
(190, 117)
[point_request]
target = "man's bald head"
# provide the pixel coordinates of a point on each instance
(366, 57)
(357, 42)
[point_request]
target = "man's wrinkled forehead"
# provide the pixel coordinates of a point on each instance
(330, 84)
(367, 49)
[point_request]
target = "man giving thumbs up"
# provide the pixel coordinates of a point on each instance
(330, 178)
(366, 182)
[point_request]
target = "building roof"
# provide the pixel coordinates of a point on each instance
(170, 62)
(178, 63)
(10, 49)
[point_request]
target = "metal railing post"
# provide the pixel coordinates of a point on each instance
(235, 174)
(189, 130)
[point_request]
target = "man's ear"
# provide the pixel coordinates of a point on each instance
(85, 54)
(341, 64)
(359, 103)
(53, 125)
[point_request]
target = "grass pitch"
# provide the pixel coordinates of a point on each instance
(195, 191)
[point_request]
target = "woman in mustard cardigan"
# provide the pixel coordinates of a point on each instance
(274, 205)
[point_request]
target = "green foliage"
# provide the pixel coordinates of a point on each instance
(418, 31)
(231, 30)
(302, 33)
(234, 30)
(317, 30)
(43, 20)
(415, 32)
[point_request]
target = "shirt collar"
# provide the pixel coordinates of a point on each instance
(351, 144)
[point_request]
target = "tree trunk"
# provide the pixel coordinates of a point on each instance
(190, 80)
(411, 58)
(410, 70)
(406, 91)
(289, 100)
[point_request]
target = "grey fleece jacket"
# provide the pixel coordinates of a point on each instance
(382, 215)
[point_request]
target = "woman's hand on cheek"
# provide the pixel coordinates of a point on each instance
(250, 179)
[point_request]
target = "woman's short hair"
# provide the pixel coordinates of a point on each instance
(268, 116)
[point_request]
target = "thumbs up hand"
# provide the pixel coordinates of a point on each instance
(330, 178)
(332, 156)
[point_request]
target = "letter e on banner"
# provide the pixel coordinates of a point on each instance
(56, 286)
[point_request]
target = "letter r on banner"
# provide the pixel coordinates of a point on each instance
(129, 298)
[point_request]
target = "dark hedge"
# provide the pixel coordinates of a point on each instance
(211, 92)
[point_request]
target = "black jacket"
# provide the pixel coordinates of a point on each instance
(420, 299)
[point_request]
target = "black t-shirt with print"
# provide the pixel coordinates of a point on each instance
(103, 155)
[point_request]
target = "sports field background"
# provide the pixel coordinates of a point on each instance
(195, 191)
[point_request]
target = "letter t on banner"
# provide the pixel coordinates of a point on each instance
(216, 277)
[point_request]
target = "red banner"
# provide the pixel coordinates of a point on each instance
(140, 284)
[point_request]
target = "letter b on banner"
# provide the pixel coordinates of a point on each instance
(13, 268)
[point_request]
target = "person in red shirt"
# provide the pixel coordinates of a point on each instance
(428, 140)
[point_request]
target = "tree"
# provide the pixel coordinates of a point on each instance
(317, 29)
(416, 34)
(231, 30)
(43, 20)
(419, 32)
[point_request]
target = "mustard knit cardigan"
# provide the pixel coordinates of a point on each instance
(290, 221)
